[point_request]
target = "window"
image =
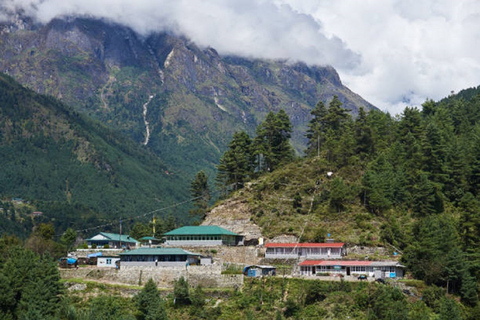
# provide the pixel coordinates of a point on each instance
(109, 261)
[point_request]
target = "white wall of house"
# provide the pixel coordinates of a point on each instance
(307, 253)
(107, 262)
(194, 243)
(370, 271)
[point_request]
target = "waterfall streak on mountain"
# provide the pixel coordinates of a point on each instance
(147, 128)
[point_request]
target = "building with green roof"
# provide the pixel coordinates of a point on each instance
(203, 236)
(158, 257)
(113, 240)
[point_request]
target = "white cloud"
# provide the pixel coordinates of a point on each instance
(392, 52)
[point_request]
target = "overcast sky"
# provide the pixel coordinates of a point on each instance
(393, 53)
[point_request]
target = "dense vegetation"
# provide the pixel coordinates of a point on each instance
(73, 168)
(410, 183)
(31, 288)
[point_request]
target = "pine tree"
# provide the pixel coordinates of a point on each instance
(200, 192)
(237, 164)
(469, 289)
(363, 136)
(426, 200)
(181, 292)
(469, 224)
(272, 143)
(149, 303)
(316, 130)
(336, 116)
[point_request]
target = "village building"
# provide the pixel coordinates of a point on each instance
(159, 257)
(377, 269)
(149, 241)
(202, 236)
(107, 261)
(113, 240)
(305, 250)
(259, 271)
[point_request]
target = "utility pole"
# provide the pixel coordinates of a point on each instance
(153, 219)
(120, 233)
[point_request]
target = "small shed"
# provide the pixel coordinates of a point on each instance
(149, 241)
(259, 271)
(68, 262)
(92, 258)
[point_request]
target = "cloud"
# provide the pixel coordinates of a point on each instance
(410, 50)
(251, 28)
(392, 52)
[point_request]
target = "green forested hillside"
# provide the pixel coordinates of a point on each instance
(50, 153)
(410, 183)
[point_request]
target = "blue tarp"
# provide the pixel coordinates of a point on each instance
(69, 260)
(93, 255)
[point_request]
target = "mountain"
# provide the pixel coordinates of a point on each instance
(51, 153)
(181, 101)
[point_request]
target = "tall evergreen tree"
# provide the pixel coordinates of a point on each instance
(272, 144)
(149, 303)
(237, 163)
(316, 130)
(200, 191)
(363, 135)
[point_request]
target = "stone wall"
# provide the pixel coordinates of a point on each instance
(232, 254)
(208, 276)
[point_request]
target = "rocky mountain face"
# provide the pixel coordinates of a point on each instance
(180, 101)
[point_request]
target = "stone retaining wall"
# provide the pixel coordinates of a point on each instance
(164, 277)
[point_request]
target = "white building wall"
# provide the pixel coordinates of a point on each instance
(107, 262)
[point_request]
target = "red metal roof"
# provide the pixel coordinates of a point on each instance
(334, 263)
(305, 245)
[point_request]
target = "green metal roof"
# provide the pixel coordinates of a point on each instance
(115, 237)
(200, 230)
(148, 238)
(157, 252)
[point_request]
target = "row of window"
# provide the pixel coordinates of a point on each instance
(155, 258)
(355, 268)
(305, 251)
(193, 238)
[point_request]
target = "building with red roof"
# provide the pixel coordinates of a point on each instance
(333, 250)
(377, 269)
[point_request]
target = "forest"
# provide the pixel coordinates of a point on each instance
(410, 182)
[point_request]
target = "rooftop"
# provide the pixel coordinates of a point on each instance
(347, 263)
(305, 245)
(113, 237)
(157, 252)
(200, 230)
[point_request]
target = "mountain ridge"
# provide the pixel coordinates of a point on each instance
(200, 98)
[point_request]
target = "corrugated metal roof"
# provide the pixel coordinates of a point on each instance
(115, 237)
(200, 230)
(158, 252)
(148, 238)
(305, 245)
(346, 263)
